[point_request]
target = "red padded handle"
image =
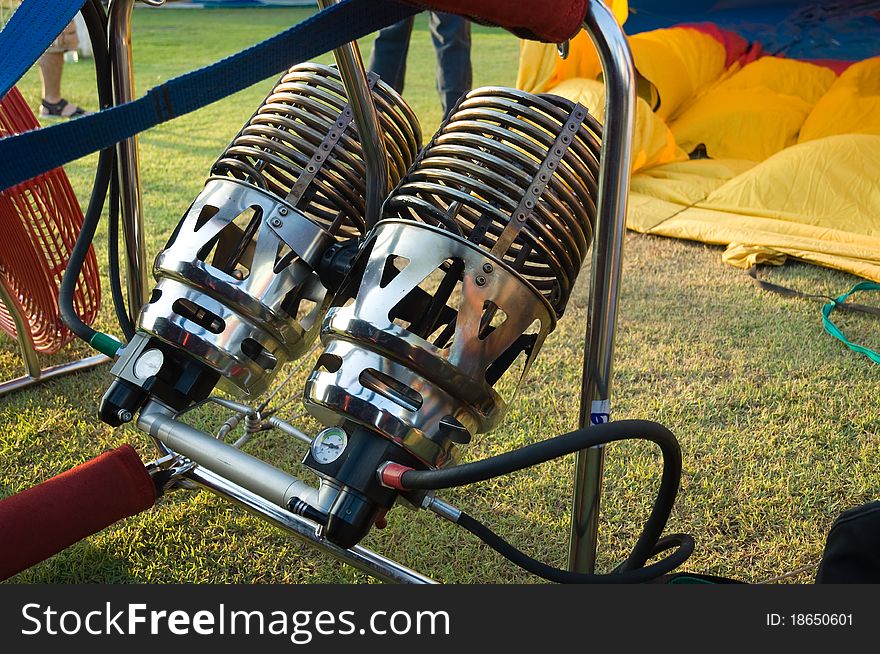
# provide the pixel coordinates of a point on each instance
(552, 21)
(45, 519)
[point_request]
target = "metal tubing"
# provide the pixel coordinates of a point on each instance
(614, 176)
(50, 373)
(259, 493)
(359, 557)
(360, 97)
(132, 210)
(441, 508)
(257, 476)
(288, 429)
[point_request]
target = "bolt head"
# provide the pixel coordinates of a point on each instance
(283, 211)
(487, 267)
(276, 222)
(481, 281)
(124, 415)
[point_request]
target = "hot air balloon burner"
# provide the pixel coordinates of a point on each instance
(454, 292)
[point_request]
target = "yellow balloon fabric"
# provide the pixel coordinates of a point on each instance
(755, 112)
(679, 62)
(795, 150)
(851, 105)
(818, 201)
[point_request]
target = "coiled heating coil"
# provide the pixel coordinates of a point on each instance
(513, 174)
(301, 145)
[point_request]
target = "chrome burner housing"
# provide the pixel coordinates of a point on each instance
(516, 174)
(244, 321)
(435, 324)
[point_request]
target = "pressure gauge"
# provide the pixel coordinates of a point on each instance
(148, 364)
(329, 444)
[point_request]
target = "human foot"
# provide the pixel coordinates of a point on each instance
(61, 109)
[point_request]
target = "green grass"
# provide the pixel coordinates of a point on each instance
(778, 422)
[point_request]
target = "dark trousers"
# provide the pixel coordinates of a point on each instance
(451, 36)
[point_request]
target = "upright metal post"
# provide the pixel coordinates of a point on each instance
(132, 210)
(614, 176)
(360, 98)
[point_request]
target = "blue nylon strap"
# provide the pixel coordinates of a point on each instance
(31, 29)
(28, 154)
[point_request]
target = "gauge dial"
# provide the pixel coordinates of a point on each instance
(329, 444)
(148, 364)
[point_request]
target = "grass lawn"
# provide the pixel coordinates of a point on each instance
(778, 422)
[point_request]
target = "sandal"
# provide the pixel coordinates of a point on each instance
(61, 109)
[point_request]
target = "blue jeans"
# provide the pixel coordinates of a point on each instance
(451, 36)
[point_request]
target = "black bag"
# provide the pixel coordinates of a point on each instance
(852, 550)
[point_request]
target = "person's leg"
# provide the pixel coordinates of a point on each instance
(451, 35)
(51, 68)
(388, 58)
(52, 104)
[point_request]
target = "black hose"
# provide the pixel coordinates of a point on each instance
(96, 22)
(683, 543)
(80, 250)
(553, 448)
(116, 293)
